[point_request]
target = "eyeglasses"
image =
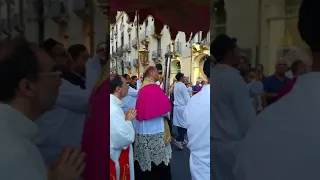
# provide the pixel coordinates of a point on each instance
(56, 74)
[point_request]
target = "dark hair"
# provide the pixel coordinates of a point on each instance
(309, 32)
(114, 83)
(48, 45)
(20, 63)
(179, 76)
(206, 67)
(76, 49)
(134, 77)
(125, 76)
(221, 46)
(295, 66)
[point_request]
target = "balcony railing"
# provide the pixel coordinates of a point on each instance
(119, 51)
(156, 53)
(143, 36)
(134, 43)
(127, 48)
(122, 27)
(177, 47)
(169, 48)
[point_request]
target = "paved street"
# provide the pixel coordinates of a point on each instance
(180, 163)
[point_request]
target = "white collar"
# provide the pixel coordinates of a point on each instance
(14, 121)
(115, 100)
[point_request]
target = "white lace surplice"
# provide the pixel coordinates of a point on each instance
(149, 145)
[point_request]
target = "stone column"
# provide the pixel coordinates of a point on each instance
(272, 32)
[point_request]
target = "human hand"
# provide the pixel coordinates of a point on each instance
(68, 166)
(131, 114)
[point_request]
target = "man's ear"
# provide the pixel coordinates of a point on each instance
(118, 88)
(26, 88)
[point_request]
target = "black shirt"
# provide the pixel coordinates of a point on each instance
(75, 79)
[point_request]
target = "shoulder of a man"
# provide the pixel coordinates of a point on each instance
(233, 78)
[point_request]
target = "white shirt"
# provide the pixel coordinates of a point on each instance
(231, 105)
(190, 91)
(62, 126)
(20, 158)
(283, 143)
(121, 135)
(232, 114)
(121, 130)
(256, 90)
(93, 71)
(139, 83)
(130, 100)
(289, 74)
(181, 99)
(197, 115)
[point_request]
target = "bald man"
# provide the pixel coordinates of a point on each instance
(275, 82)
(152, 149)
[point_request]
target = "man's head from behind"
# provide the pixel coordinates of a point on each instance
(80, 56)
(151, 72)
(127, 77)
(118, 86)
(58, 52)
(308, 29)
(29, 77)
(225, 50)
(298, 68)
(134, 79)
(180, 77)
(206, 67)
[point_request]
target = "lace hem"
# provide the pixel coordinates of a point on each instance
(150, 148)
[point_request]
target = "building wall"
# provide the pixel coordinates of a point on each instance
(184, 57)
(263, 28)
(75, 32)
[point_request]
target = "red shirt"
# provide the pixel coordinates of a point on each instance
(287, 88)
(199, 89)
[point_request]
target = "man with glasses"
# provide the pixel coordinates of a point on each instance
(30, 87)
(121, 134)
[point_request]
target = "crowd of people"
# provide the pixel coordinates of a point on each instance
(44, 105)
(266, 127)
(54, 116)
(54, 120)
(142, 118)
